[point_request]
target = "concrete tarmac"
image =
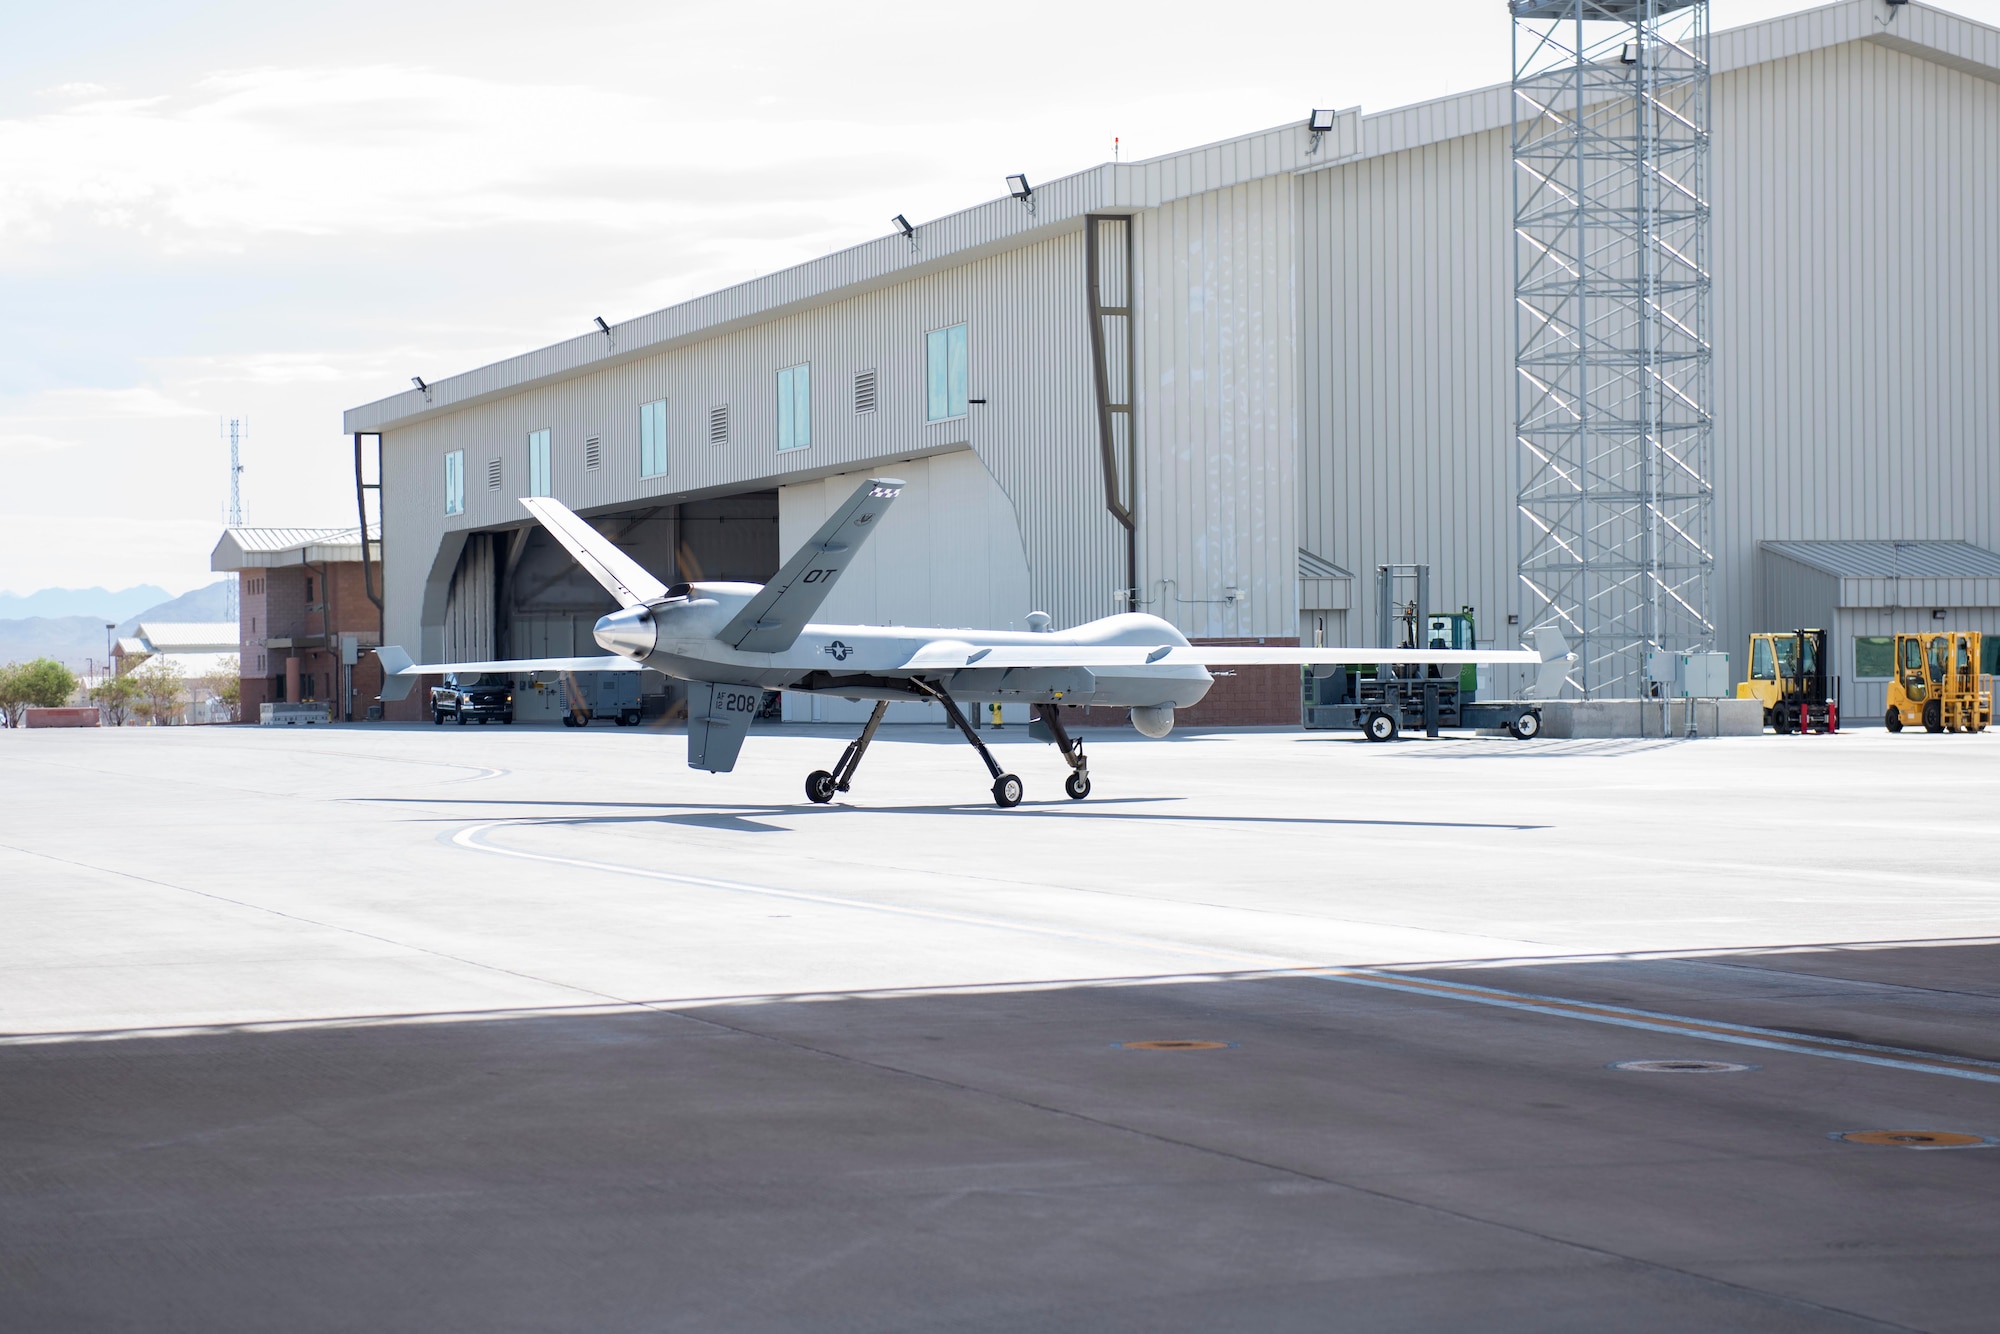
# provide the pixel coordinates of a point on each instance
(384, 1028)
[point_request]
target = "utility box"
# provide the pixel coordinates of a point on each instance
(1688, 674)
(1703, 675)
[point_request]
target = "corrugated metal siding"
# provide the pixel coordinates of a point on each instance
(1857, 307)
(1216, 410)
(1028, 353)
(1857, 318)
(1407, 436)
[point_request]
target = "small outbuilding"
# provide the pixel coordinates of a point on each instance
(1864, 593)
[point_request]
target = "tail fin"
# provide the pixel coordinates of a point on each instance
(772, 621)
(624, 578)
(1556, 659)
(394, 662)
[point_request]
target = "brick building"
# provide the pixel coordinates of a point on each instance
(306, 623)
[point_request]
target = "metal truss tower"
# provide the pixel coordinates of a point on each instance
(1611, 321)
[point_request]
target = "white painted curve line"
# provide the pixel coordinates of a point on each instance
(1708, 1030)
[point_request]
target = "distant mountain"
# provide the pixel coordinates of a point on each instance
(67, 639)
(204, 604)
(71, 640)
(94, 602)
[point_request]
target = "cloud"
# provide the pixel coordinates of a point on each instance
(400, 150)
(24, 442)
(74, 90)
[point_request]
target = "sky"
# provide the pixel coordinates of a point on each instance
(276, 212)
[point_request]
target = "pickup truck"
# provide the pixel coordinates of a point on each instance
(478, 696)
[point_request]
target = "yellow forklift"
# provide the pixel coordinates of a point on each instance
(1788, 672)
(1938, 683)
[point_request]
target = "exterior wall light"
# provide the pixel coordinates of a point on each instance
(903, 227)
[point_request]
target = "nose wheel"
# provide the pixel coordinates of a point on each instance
(1077, 786)
(1006, 791)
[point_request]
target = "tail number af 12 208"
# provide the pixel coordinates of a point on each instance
(730, 700)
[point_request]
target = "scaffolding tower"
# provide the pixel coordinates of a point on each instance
(1611, 330)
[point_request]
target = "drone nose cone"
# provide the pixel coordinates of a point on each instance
(631, 632)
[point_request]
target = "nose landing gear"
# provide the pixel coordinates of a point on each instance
(1077, 785)
(821, 785)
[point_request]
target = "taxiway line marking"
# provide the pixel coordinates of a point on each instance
(1709, 1030)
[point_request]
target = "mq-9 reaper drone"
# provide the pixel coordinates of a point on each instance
(731, 642)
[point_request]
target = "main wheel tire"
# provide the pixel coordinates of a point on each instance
(1893, 719)
(1527, 726)
(460, 715)
(1933, 717)
(1781, 721)
(819, 787)
(437, 717)
(1380, 727)
(483, 720)
(508, 719)
(1077, 786)
(628, 720)
(1006, 791)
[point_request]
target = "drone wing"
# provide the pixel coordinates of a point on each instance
(399, 674)
(954, 655)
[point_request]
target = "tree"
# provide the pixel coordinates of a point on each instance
(160, 690)
(225, 682)
(41, 684)
(115, 695)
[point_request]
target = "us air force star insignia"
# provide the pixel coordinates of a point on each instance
(837, 651)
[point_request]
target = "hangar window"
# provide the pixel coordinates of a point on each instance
(1874, 657)
(944, 374)
(718, 424)
(454, 482)
(864, 392)
(795, 407)
(653, 438)
(538, 462)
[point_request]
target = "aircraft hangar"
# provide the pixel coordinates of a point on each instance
(1225, 384)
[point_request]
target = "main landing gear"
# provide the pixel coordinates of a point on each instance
(1006, 787)
(822, 785)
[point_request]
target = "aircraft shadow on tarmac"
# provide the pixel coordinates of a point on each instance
(743, 815)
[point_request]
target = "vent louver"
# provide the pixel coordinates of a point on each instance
(493, 475)
(718, 425)
(593, 453)
(864, 392)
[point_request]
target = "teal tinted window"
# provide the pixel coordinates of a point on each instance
(653, 439)
(944, 374)
(1874, 656)
(1989, 654)
(795, 407)
(454, 482)
(538, 463)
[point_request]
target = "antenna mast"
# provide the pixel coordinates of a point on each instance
(236, 433)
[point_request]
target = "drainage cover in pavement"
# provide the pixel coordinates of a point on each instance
(1683, 1067)
(1173, 1044)
(1915, 1139)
